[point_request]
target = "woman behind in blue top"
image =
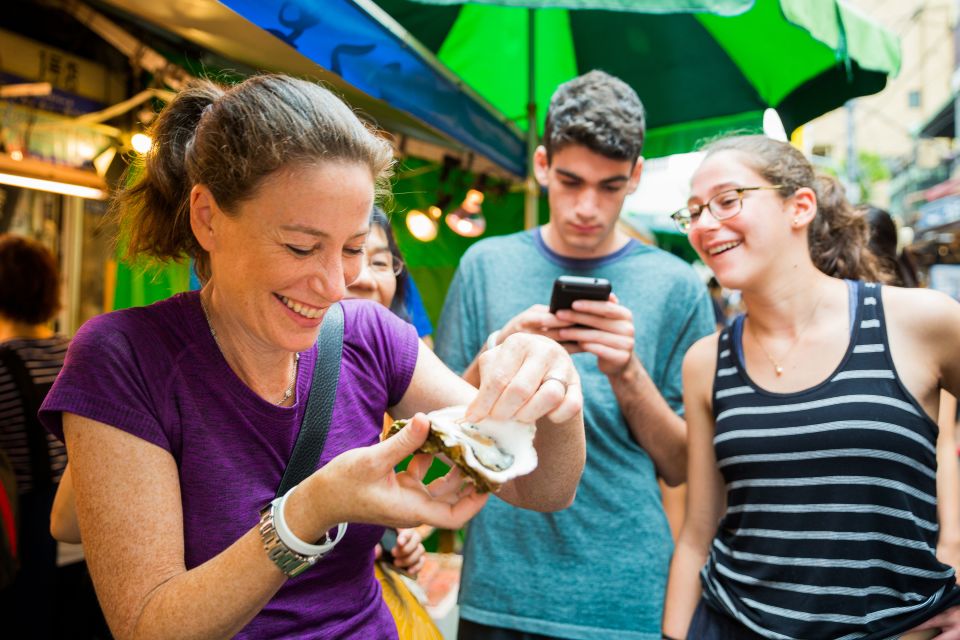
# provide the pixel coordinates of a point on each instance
(811, 420)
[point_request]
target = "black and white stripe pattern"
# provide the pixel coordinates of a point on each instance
(831, 520)
(43, 359)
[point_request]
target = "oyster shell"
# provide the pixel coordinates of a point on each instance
(489, 452)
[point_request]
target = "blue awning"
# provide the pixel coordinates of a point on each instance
(374, 54)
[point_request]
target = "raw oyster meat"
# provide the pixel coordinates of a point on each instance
(489, 452)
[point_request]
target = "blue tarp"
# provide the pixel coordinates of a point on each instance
(345, 39)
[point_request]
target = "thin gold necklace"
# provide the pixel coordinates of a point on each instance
(294, 367)
(777, 367)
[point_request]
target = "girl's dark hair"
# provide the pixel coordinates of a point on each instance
(230, 139)
(838, 235)
(897, 267)
(399, 303)
(29, 280)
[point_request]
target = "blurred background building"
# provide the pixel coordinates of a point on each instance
(898, 148)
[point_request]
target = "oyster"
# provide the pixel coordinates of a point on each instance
(489, 452)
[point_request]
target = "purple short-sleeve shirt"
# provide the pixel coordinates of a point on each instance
(156, 372)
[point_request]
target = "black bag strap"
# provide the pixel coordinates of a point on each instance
(323, 391)
(32, 396)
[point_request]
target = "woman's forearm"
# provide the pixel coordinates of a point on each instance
(683, 589)
(561, 453)
(214, 600)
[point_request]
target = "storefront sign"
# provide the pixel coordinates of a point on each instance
(938, 213)
(79, 85)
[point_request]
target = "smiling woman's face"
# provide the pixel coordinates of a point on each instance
(746, 245)
(290, 251)
(376, 280)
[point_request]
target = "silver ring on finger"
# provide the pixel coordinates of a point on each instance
(556, 378)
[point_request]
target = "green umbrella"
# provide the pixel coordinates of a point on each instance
(700, 66)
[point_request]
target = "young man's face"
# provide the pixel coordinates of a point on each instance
(586, 191)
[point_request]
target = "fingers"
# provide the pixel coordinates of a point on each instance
(419, 465)
(571, 405)
(408, 548)
(514, 382)
(948, 622)
(536, 319)
(415, 568)
(613, 340)
(497, 369)
(622, 325)
(602, 308)
(548, 397)
(454, 516)
(523, 386)
(393, 450)
(447, 487)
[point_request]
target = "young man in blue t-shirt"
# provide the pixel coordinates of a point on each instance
(599, 568)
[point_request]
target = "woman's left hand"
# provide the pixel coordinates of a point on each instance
(525, 378)
(947, 624)
(408, 552)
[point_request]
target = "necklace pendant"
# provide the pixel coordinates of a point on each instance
(778, 369)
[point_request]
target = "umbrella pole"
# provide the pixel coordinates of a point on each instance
(531, 202)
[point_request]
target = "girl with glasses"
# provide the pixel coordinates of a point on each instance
(812, 509)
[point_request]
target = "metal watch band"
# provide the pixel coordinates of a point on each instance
(288, 560)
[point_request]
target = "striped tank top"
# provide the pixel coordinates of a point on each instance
(831, 520)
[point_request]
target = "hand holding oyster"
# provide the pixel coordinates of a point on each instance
(489, 452)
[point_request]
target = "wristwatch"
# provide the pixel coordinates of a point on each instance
(289, 561)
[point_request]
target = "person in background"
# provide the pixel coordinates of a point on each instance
(42, 595)
(31, 354)
(384, 279)
(180, 417)
(374, 284)
(811, 419)
(416, 310)
(597, 569)
(898, 270)
(883, 243)
(716, 297)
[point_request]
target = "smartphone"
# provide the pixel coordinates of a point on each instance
(566, 289)
(388, 542)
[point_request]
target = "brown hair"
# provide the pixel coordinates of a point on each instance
(838, 235)
(29, 280)
(230, 139)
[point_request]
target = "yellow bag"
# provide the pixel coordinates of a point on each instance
(413, 621)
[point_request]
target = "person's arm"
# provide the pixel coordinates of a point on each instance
(705, 493)
(948, 484)
(514, 385)
(63, 515)
(131, 520)
(937, 317)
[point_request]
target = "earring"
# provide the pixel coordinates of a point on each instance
(796, 220)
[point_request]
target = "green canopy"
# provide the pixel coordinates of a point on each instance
(700, 66)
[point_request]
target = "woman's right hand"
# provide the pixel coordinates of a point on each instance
(361, 485)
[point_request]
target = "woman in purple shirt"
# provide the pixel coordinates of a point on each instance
(180, 417)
